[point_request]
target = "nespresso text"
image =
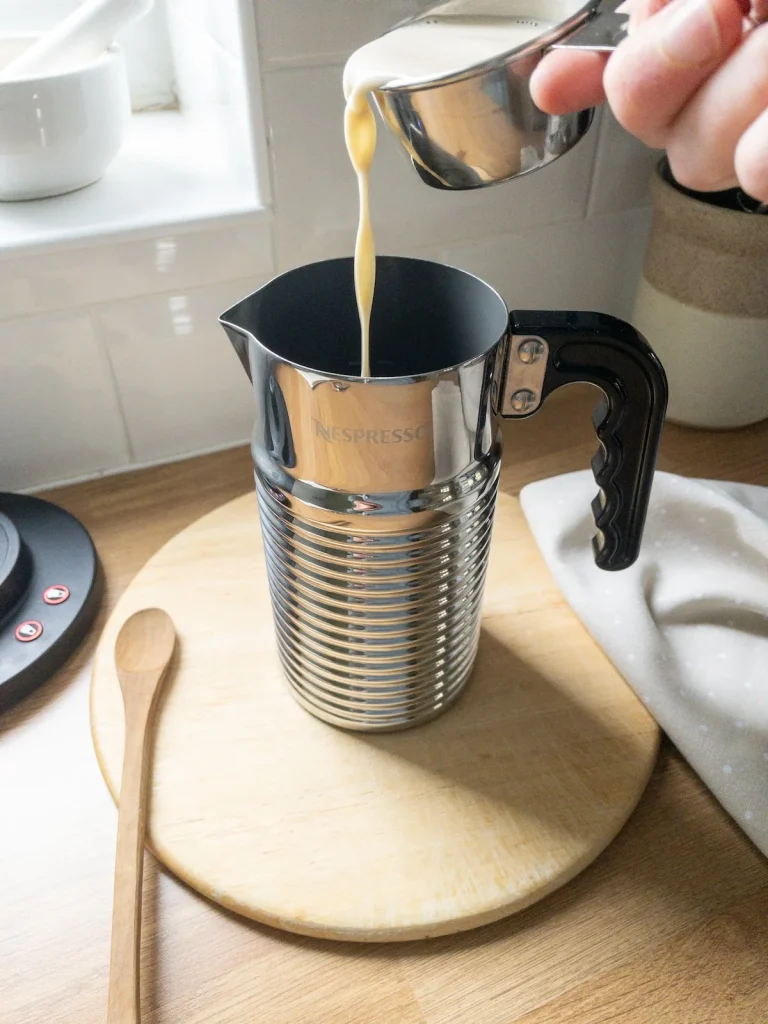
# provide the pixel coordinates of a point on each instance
(359, 435)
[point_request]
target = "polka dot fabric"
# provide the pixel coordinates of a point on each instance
(687, 625)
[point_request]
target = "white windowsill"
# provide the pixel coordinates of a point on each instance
(171, 175)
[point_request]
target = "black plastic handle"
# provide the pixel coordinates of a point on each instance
(609, 353)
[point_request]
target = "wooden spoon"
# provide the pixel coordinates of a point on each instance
(142, 653)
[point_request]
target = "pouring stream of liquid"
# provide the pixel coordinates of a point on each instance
(360, 135)
(416, 52)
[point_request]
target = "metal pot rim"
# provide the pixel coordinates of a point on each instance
(532, 47)
(327, 376)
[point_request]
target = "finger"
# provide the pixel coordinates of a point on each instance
(657, 70)
(642, 10)
(568, 80)
(702, 144)
(751, 159)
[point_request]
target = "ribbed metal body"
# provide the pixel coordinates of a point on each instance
(376, 494)
(377, 631)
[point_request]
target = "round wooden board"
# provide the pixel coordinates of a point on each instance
(281, 818)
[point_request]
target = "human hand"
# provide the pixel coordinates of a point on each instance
(691, 78)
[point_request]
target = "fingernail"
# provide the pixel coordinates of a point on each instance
(690, 36)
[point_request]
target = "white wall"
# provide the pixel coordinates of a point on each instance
(112, 357)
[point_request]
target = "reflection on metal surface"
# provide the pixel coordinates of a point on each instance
(376, 500)
(479, 132)
(377, 631)
(522, 380)
(376, 495)
(481, 127)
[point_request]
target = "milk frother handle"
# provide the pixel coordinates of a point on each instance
(607, 352)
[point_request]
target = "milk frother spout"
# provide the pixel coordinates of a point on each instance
(478, 125)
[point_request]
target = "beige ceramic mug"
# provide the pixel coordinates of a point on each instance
(703, 300)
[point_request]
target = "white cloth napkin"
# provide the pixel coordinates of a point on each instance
(687, 625)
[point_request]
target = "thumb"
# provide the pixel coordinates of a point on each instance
(658, 68)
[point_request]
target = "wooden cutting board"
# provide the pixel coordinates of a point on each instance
(283, 819)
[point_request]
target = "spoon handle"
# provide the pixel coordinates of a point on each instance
(123, 1004)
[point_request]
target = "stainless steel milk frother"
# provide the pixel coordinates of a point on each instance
(480, 126)
(376, 495)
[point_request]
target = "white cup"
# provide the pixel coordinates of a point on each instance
(60, 132)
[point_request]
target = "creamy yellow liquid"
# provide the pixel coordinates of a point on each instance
(417, 52)
(360, 133)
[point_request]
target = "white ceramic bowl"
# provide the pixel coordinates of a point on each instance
(60, 132)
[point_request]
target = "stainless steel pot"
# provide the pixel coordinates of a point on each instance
(480, 127)
(377, 494)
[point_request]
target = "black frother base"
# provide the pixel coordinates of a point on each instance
(50, 591)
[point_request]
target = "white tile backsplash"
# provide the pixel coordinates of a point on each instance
(112, 355)
(316, 194)
(592, 264)
(297, 32)
(59, 416)
(181, 387)
(623, 169)
(52, 281)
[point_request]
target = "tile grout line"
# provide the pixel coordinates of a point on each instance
(252, 281)
(110, 371)
(589, 205)
(134, 467)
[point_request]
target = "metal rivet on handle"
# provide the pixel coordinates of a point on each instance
(523, 400)
(530, 351)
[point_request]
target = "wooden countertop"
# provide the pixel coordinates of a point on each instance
(668, 926)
